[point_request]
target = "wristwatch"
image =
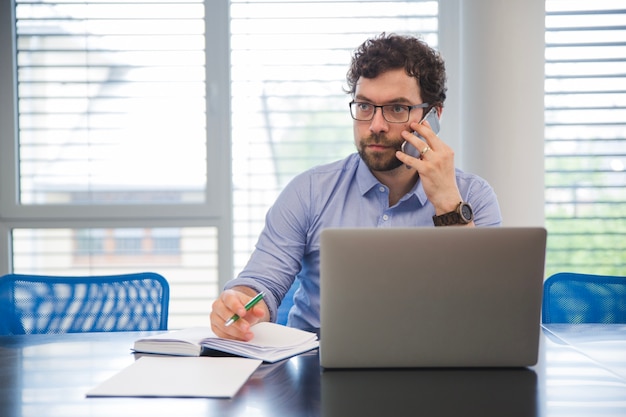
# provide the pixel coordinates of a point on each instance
(463, 214)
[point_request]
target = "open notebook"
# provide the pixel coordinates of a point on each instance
(271, 343)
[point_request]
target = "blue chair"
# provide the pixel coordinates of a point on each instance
(584, 298)
(35, 304)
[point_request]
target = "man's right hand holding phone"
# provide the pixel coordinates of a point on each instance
(435, 166)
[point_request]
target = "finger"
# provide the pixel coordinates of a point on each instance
(258, 312)
(417, 143)
(408, 160)
(234, 303)
(413, 139)
(426, 133)
(230, 303)
(239, 330)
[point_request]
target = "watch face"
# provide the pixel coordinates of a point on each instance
(466, 211)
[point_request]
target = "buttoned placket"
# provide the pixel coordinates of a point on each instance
(384, 219)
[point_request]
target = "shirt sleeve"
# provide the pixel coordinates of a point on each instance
(277, 258)
(483, 200)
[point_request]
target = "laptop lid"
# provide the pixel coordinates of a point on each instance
(431, 297)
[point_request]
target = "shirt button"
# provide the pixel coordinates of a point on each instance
(385, 217)
(381, 189)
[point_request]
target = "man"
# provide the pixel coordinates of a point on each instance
(394, 81)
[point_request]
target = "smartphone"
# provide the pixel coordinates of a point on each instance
(433, 120)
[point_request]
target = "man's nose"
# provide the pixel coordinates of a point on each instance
(378, 122)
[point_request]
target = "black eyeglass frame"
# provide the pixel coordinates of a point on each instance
(382, 110)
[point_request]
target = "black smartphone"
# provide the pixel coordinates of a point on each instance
(433, 120)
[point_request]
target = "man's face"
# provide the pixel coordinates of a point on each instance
(378, 140)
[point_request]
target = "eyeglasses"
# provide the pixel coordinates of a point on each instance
(393, 113)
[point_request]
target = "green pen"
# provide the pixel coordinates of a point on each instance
(248, 306)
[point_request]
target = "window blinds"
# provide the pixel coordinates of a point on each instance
(112, 112)
(289, 111)
(111, 102)
(585, 145)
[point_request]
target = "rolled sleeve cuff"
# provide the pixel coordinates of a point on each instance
(269, 298)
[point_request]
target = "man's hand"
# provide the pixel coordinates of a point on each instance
(435, 167)
(232, 302)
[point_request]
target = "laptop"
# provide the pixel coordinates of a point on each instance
(510, 392)
(431, 297)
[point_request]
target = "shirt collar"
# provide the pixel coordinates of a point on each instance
(366, 181)
(364, 177)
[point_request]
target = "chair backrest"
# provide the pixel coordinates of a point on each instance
(584, 298)
(34, 304)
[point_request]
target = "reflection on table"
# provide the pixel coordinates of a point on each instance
(581, 373)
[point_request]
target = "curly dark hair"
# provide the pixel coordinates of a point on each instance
(390, 51)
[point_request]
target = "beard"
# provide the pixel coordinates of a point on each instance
(380, 161)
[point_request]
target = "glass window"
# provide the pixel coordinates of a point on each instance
(111, 102)
(289, 109)
(165, 241)
(128, 241)
(192, 270)
(89, 242)
(585, 144)
(111, 115)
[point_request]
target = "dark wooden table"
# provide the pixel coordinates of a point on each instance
(581, 372)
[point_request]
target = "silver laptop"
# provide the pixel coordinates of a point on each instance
(431, 297)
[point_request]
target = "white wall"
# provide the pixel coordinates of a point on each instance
(502, 102)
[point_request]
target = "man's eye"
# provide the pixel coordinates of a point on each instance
(397, 108)
(365, 107)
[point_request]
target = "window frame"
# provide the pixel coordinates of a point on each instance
(215, 211)
(218, 116)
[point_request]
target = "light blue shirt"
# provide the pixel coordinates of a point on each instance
(339, 194)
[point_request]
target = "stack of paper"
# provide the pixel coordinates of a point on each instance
(178, 377)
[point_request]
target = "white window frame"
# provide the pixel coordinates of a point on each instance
(214, 212)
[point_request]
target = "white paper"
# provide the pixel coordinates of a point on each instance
(174, 376)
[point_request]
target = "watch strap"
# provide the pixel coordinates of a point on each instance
(454, 217)
(447, 219)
